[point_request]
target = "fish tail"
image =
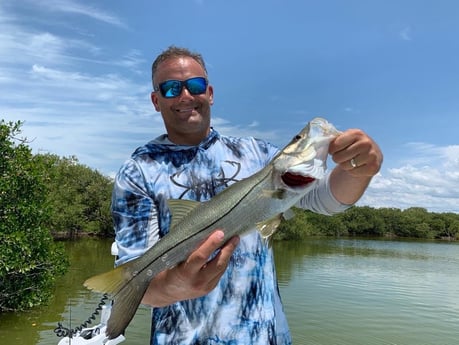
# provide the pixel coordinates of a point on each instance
(110, 282)
(127, 290)
(125, 305)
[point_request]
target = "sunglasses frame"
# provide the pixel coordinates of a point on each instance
(180, 84)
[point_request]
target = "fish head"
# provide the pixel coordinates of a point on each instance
(302, 162)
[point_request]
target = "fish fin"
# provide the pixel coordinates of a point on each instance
(110, 282)
(127, 287)
(180, 208)
(124, 307)
(275, 194)
(269, 227)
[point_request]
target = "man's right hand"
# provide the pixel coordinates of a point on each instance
(194, 277)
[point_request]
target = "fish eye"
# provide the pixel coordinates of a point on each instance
(297, 137)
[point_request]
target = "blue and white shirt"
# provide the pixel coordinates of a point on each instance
(245, 307)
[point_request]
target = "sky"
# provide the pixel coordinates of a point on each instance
(78, 74)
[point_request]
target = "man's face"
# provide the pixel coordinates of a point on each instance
(187, 116)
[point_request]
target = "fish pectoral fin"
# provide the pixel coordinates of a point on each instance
(269, 227)
(275, 193)
(180, 208)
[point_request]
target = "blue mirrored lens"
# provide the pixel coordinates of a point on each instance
(173, 88)
(196, 86)
(170, 88)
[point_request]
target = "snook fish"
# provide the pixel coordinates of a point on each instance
(255, 202)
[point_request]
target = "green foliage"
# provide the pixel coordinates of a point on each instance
(307, 223)
(29, 258)
(79, 198)
(413, 222)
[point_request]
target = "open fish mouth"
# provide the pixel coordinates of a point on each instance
(296, 180)
(302, 175)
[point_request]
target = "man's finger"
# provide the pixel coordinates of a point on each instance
(201, 255)
(215, 268)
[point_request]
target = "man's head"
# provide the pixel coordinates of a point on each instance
(175, 52)
(182, 95)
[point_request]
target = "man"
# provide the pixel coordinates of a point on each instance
(227, 295)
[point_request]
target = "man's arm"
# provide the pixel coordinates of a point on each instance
(358, 159)
(135, 220)
(195, 277)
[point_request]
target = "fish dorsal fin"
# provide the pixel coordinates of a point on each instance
(180, 208)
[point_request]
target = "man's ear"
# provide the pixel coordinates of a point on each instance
(154, 100)
(210, 89)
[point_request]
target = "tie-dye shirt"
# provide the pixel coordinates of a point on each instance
(245, 307)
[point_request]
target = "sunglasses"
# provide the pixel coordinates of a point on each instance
(173, 88)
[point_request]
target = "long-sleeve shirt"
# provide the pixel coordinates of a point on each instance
(245, 307)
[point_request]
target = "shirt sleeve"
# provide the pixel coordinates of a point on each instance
(134, 213)
(321, 199)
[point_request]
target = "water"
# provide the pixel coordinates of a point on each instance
(335, 291)
(370, 292)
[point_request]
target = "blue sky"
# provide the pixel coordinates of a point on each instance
(78, 74)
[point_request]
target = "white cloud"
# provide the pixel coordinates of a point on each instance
(48, 81)
(428, 178)
(406, 34)
(253, 129)
(73, 7)
(132, 60)
(22, 46)
(77, 81)
(26, 45)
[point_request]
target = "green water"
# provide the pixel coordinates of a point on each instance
(334, 292)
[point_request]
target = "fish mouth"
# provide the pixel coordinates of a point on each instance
(302, 175)
(296, 180)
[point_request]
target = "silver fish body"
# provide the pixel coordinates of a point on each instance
(255, 202)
